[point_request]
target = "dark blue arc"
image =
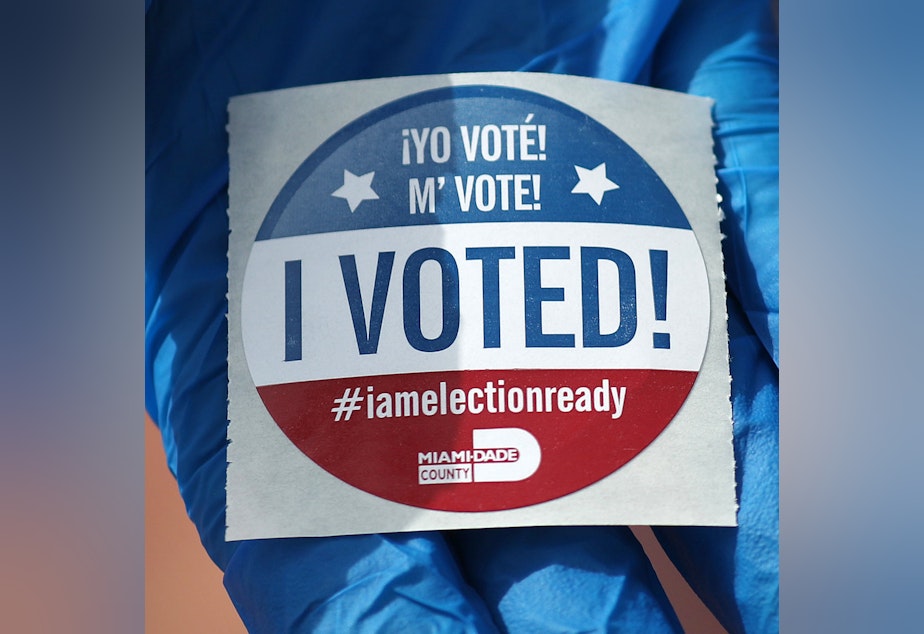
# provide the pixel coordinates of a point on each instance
(373, 143)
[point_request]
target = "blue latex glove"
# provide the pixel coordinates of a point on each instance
(734, 61)
(540, 579)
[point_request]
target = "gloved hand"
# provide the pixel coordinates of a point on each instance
(523, 580)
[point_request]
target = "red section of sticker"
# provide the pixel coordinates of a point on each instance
(481, 440)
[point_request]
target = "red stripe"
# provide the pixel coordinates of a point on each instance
(380, 456)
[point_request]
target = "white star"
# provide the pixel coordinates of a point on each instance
(593, 182)
(356, 189)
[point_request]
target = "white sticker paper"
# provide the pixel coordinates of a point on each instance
(475, 300)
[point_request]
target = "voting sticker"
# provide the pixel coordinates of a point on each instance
(473, 301)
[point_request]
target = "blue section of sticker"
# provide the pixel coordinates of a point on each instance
(470, 154)
(293, 302)
(661, 340)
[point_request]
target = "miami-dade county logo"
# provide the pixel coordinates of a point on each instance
(474, 298)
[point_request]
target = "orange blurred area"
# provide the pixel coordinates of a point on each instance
(183, 589)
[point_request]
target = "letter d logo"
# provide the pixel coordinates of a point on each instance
(530, 455)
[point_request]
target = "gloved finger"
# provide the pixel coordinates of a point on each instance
(364, 583)
(564, 579)
(736, 570)
(613, 42)
(728, 51)
(186, 340)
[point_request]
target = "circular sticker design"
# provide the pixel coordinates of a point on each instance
(474, 298)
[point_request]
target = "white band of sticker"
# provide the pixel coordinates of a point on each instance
(330, 345)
